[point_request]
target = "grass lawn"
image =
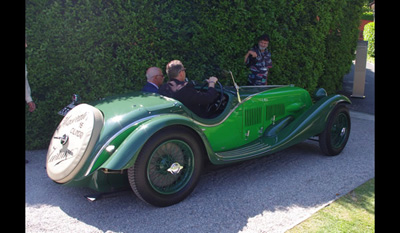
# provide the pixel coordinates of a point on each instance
(354, 212)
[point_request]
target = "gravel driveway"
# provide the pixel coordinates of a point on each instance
(271, 194)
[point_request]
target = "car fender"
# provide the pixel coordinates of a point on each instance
(311, 123)
(313, 120)
(125, 155)
(287, 132)
(330, 103)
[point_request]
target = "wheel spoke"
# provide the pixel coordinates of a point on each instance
(163, 158)
(339, 130)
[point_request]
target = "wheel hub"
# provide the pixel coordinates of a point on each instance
(63, 139)
(175, 168)
(343, 132)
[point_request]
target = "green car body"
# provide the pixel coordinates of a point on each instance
(262, 121)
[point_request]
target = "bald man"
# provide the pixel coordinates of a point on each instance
(155, 79)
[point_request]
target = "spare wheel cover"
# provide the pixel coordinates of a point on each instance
(72, 142)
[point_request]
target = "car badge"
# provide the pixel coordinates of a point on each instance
(175, 168)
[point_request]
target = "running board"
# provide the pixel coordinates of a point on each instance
(254, 149)
(260, 146)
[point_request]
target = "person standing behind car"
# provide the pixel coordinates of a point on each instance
(178, 88)
(28, 97)
(258, 59)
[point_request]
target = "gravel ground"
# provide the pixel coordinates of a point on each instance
(271, 194)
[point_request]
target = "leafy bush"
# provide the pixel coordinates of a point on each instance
(100, 48)
(369, 35)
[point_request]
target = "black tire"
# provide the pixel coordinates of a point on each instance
(337, 131)
(168, 167)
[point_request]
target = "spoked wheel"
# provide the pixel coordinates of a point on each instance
(337, 131)
(167, 168)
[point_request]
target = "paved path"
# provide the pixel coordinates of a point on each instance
(367, 104)
(270, 194)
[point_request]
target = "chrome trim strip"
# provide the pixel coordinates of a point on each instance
(112, 138)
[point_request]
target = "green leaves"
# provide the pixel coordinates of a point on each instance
(369, 35)
(99, 48)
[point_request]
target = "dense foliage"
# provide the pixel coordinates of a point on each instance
(99, 48)
(369, 35)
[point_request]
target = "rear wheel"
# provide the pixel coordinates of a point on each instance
(168, 167)
(337, 131)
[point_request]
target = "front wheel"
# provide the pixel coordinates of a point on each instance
(168, 167)
(337, 131)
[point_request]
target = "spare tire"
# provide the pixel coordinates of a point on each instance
(73, 142)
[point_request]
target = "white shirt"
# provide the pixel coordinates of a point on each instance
(28, 97)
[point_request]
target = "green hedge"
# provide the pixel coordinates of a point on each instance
(99, 48)
(369, 35)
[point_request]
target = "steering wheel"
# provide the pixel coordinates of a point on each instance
(214, 106)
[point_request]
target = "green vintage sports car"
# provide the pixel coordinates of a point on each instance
(158, 146)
